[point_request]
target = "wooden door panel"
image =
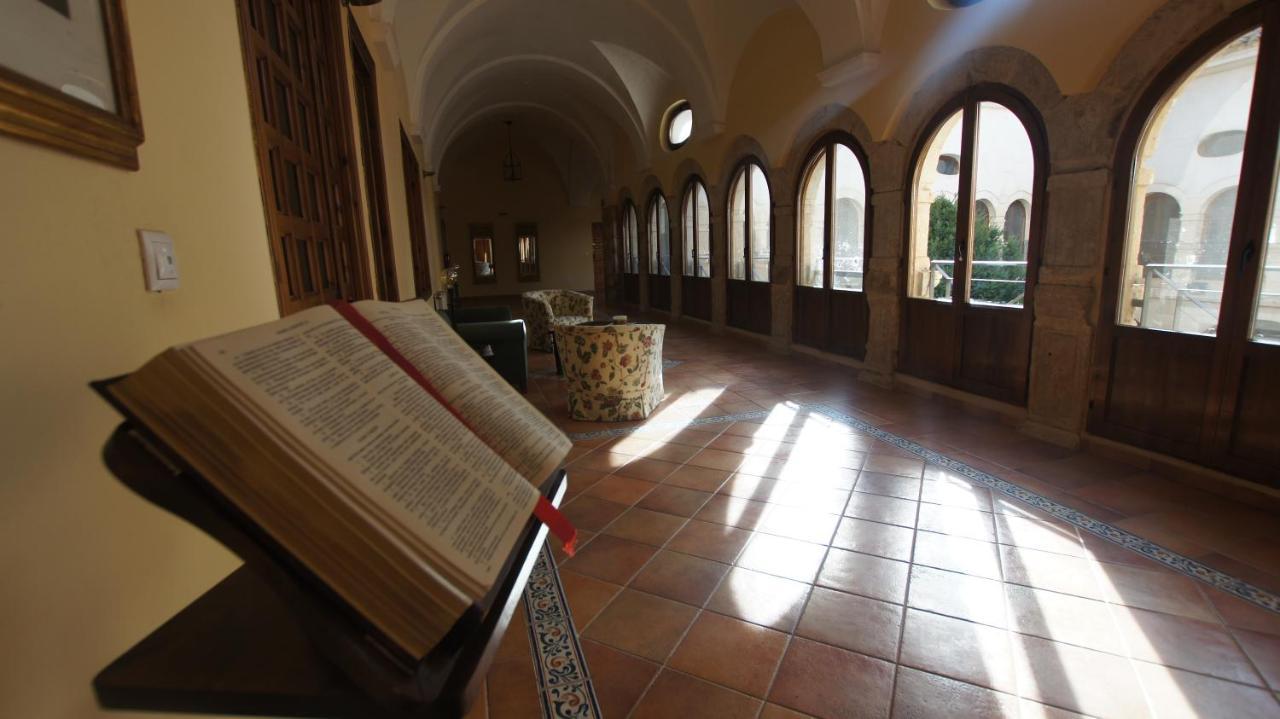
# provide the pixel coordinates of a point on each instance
(811, 323)
(750, 306)
(847, 333)
(995, 351)
(1159, 385)
(631, 288)
(760, 307)
(927, 347)
(660, 292)
(1254, 448)
(697, 297)
(287, 50)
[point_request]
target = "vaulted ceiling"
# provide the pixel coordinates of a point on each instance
(603, 71)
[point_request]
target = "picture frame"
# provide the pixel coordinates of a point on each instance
(86, 102)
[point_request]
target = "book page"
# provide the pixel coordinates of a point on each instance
(345, 401)
(506, 421)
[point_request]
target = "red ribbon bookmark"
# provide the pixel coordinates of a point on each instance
(544, 510)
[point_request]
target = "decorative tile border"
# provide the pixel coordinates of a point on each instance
(1178, 563)
(563, 681)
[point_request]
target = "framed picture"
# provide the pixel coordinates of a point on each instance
(66, 78)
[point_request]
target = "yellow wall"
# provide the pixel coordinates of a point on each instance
(89, 568)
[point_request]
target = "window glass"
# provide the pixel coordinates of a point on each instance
(659, 237)
(1266, 308)
(847, 241)
(813, 210)
(1004, 176)
(1183, 196)
(760, 239)
(686, 235)
(680, 127)
(737, 228)
(633, 240)
(933, 221)
(702, 245)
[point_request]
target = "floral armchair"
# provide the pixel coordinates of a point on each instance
(544, 309)
(614, 371)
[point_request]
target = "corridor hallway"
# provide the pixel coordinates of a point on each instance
(746, 553)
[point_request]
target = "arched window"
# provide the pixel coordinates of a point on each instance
(1187, 350)
(749, 225)
(833, 197)
(630, 240)
(1181, 288)
(697, 230)
(659, 226)
(991, 264)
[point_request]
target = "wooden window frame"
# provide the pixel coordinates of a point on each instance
(740, 172)
(968, 102)
(690, 243)
(655, 250)
(369, 132)
(825, 146)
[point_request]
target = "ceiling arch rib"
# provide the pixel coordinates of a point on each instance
(534, 80)
(535, 131)
(644, 53)
(525, 110)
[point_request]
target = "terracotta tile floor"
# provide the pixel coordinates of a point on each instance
(786, 567)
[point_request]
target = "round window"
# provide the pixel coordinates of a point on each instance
(679, 124)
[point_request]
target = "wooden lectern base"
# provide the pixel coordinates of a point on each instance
(271, 640)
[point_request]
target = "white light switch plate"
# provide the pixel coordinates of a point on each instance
(159, 264)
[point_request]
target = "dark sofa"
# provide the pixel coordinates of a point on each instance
(491, 330)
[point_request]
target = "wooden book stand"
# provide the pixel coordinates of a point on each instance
(271, 639)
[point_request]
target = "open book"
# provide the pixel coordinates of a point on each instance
(403, 487)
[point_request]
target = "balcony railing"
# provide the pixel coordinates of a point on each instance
(991, 282)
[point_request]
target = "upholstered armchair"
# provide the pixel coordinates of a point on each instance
(614, 371)
(544, 309)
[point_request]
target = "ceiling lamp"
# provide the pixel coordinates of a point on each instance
(511, 170)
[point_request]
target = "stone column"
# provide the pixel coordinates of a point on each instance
(1062, 333)
(677, 256)
(883, 285)
(783, 275)
(719, 226)
(642, 245)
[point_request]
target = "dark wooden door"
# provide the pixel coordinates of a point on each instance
(660, 292)
(830, 311)
(975, 334)
(292, 56)
(696, 297)
(749, 306)
(1202, 390)
(365, 84)
(417, 221)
